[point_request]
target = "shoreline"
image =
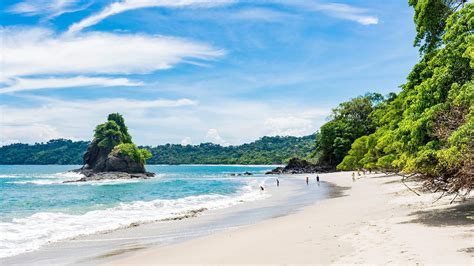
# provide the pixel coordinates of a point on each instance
(377, 220)
(98, 247)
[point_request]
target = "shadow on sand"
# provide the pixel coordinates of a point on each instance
(459, 215)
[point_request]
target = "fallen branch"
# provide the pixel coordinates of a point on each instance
(409, 188)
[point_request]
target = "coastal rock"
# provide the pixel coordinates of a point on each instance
(95, 157)
(300, 166)
(117, 162)
(112, 155)
(240, 174)
(91, 176)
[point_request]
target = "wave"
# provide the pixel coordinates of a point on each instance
(30, 233)
(59, 178)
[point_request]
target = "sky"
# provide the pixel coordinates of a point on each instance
(192, 71)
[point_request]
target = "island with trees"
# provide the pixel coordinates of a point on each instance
(112, 154)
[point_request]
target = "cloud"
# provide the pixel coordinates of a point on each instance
(288, 126)
(21, 84)
(348, 12)
(262, 14)
(214, 137)
(186, 141)
(37, 51)
(298, 124)
(48, 8)
(158, 121)
(126, 5)
(75, 119)
(35, 132)
(336, 10)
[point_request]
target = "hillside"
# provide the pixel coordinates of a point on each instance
(267, 150)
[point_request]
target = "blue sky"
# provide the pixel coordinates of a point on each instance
(191, 71)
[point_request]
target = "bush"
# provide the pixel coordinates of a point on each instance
(130, 150)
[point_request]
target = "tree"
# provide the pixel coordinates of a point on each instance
(430, 20)
(112, 132)
(349, 121)
(428, 129)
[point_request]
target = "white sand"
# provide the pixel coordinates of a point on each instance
(370, 224)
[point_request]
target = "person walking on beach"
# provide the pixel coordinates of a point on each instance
(307, 180)
(317, 178)
(278, 182)
(353, 177)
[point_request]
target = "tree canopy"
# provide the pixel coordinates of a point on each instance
(349, 121)
(112, 132)
(428, 128)
(430, 20)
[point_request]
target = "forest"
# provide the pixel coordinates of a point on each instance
(426, 130)
(267, 150)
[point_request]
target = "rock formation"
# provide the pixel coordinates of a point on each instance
(300, 166)
(112, 154)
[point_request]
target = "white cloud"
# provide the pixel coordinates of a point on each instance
(54, 118)
(288, 126)
(186, 141)
(297, 124)
(347, 12)
(336, 10)
(35, 132)
(214, 137)
(49, 8)
(159, 121)
(262, 14)
(37, 51)
(21, 84)
(126, 5)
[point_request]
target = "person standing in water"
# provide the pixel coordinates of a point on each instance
(317, 178)
(278, 182)
(307, 180)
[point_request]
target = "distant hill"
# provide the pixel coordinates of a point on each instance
(56, 151)
(267, 150)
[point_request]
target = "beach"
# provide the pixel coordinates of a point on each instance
(375, 220)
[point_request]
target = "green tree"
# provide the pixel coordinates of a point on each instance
(130, 150)
(349, 121)
(430, 20)
(112, 132)
(428, 129)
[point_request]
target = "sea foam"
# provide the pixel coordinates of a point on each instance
(30, 233)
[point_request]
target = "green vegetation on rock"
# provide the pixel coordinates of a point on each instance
(112, 132)
(130, 150)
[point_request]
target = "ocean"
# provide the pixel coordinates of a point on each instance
(37, 208)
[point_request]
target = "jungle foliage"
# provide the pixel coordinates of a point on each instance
(428, 128)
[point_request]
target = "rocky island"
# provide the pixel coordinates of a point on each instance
(300, 166)
(112, 154)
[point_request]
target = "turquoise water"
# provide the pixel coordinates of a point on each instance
(36, 207)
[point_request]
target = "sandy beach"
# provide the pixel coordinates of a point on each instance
(376, 220)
